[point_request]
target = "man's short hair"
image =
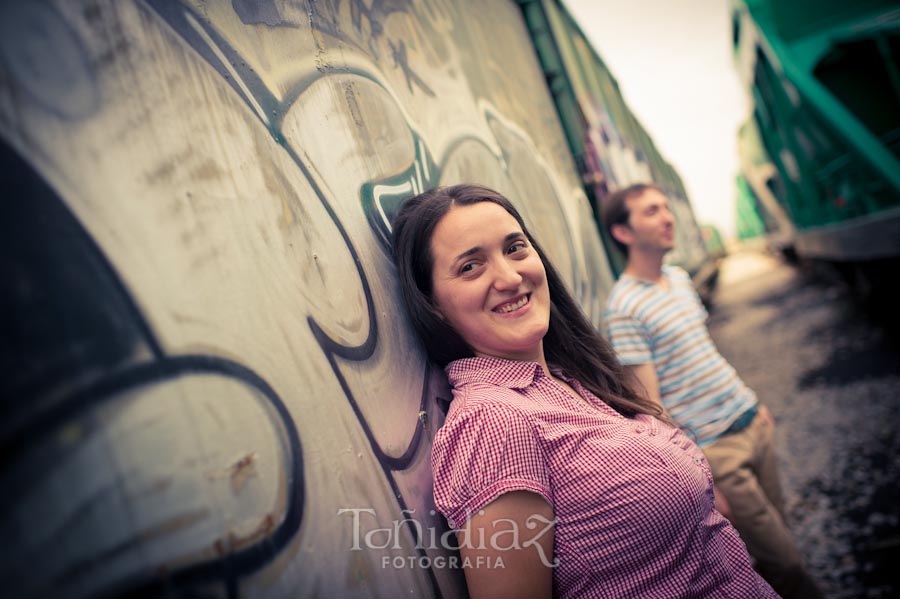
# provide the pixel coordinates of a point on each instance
(614, 208)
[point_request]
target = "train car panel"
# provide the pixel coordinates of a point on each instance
(826, 86)
(209, 384)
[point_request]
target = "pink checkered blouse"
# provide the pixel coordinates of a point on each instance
(633, 498)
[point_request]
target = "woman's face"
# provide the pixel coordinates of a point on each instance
(489, 283)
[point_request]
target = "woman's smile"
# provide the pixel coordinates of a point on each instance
(513, 306)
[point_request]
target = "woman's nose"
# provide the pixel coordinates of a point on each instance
(506, 276)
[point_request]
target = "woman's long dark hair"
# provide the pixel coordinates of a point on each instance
(571, 342)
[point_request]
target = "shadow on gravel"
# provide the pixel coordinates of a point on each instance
(859, 349)
(870, 529)
(784, 295)
(845, 365)
(836, 367)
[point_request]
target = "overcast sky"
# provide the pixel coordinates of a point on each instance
(672, 59)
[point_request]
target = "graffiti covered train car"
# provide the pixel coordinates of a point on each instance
(825, 83)
(611, 148)
(208, 383)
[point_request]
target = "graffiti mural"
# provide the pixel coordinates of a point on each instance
(209, 384)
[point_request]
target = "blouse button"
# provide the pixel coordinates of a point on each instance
(638, 429)
(698, 460)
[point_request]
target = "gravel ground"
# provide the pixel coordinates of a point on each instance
(831, 377)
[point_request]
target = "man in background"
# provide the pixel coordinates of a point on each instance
(657, 325)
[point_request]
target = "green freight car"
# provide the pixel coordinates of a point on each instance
(825, 84)
(750, 222)
(760, 190)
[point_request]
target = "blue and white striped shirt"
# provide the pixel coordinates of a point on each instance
(648, 323)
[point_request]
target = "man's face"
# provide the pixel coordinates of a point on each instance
(651, 226)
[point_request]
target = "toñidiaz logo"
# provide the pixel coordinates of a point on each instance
(487, 545)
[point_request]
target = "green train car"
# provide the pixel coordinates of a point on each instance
(825, 84)
(760, 190)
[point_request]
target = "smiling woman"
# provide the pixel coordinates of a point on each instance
(489, 284)
(559, 477)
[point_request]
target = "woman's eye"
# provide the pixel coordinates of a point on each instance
(519, 245)
(468, 267)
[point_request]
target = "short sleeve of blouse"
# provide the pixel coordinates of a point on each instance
(482, 452)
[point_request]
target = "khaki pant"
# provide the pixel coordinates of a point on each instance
(745, 472)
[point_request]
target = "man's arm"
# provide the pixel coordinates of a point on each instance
(647, 381)
(509, 545)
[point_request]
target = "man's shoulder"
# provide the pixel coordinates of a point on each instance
(623, 294)
(675, 273)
